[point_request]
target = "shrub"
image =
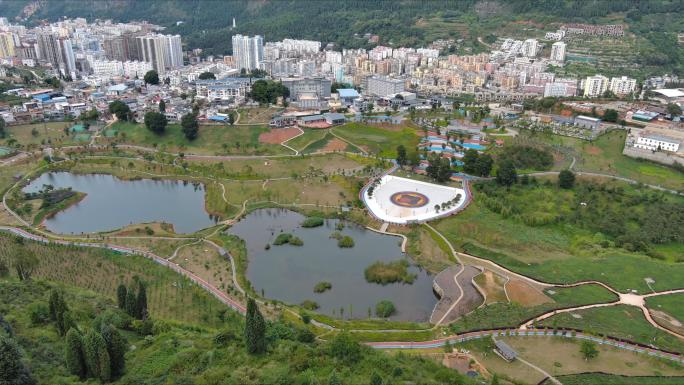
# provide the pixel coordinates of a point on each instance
(313, 222)
(346, 242)
(384, 309)
(390, 272)
(322, 287)
(309, 305)
(39, 313)
(295, 241)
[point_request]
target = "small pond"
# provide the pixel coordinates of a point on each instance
(112, 203)
(289, 273)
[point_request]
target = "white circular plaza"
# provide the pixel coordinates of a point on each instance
(400, 200)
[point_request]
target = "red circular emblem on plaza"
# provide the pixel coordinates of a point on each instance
(409, 199)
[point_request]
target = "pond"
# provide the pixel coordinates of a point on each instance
(289, 273)
(112, 203)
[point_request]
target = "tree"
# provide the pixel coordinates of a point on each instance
(120, 109)
(336, 86)
(141, 302)
(506, 175)
(116, 348)
(131, 303)
(190, 126)
(672, 109)
(121, 292)
(384, 309)
(588, 350)
(12, 370)
(345, 348)
(438, 168)
(162, 106)
(483, 165)
(566, 179)
(207, 75)
(24, 263)
(3, 133)
(268, 91)
(73, 353)
(151, 77)
(155, 122)
(401, 155)
(610, 115)
(255, 329)
(470, 161)
(231, 117)
(96, 356)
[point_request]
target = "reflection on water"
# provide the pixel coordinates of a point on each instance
(112, 203)
(289, 273)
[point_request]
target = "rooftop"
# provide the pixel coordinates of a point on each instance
(348, 93)
(670, 92)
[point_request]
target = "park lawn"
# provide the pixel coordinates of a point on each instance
(310, 135)
(620, 321)
(281, 167)
(376, 140)
(604, 156)
(212, 140)
(672, 304)
(610, 379)
(559, 356)
(512, 315)
(51, 133)
(169, 294)
(554, 249)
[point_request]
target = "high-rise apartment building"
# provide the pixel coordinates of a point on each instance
(163, 51)
(248, 51)
(8, 41)
(57, 51)
(622, 85)
(595, 86)
(558, 52)
(530, 48)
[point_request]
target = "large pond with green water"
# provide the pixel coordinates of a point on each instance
(112, 203)
(289, 273)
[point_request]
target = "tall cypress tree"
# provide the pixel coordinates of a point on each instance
(121, 296)
(65, 321)
(96, 356)
(131, 303)
(116, 347)
(75, 360)
(12, 370)
(255, 329)
(141, 305)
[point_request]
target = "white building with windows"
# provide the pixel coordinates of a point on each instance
(595, 86)
(654, 142)
(622, 85)
(530, 48)
(558, 52)
(248, 52)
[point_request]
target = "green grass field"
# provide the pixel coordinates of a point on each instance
(41, 133)
(211, 140)
(559, 251)
(310, 136)
(604, 156)
(376, 140)
(610, 379)
(504, 315)
(672, 304)
(621, 321)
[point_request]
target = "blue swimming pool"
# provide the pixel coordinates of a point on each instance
(473, 146)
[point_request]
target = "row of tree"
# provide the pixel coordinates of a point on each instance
(134, 304)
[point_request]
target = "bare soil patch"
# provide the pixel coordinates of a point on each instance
(493, 286)
(335, 145)
(524, 294)
(593, 150)
(278, 135)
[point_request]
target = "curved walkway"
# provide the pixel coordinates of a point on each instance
(464, 337)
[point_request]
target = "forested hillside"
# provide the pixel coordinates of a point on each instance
(207, 23)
